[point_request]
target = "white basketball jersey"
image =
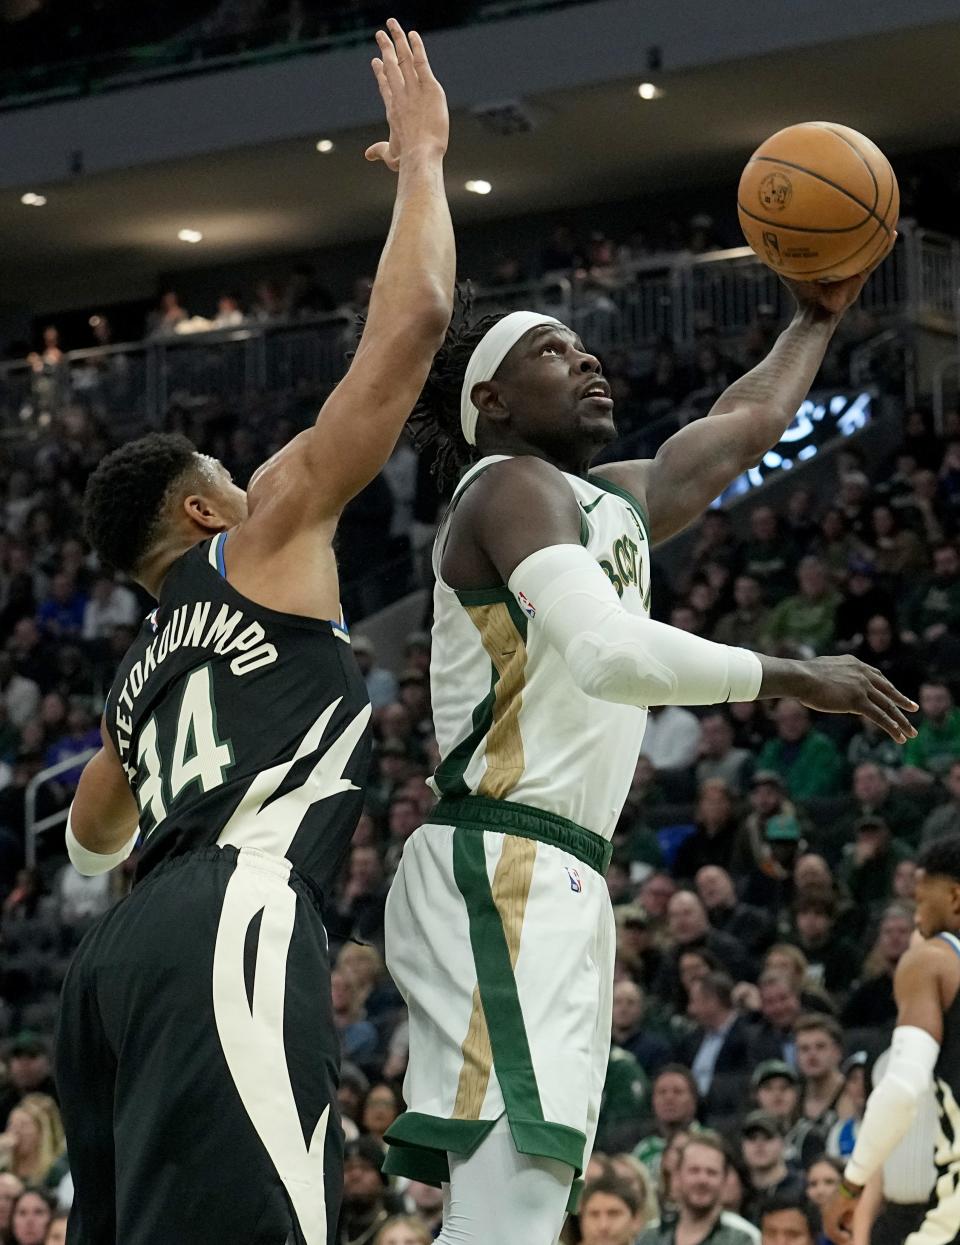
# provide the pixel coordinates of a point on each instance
(510, 722)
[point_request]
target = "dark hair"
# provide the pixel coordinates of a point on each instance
(613, 1186)
(718, 984)
(125, 496)
(435, 422)
(941, 858)
(838, 1165)
(679, 1069)
(777, 1202)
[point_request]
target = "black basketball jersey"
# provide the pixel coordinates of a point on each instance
(237, 724)
(946, 1088)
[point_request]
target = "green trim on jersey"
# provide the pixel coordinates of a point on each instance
(609, 487)
(450, 772)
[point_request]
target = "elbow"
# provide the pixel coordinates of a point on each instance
(618, 673)
(427, 317)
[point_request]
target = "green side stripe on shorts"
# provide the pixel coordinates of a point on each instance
(498, 986)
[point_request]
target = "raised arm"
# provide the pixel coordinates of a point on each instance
(519, 525)
(310, 481)
(102, 827)
(697, 463)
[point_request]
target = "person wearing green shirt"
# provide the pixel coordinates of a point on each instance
(626, 1096)
(806, 620)
(805, 759)
(937, 742)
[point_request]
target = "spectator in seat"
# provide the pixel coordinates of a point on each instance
(110, 605)
(768, 557)
(805, 758)
(945, 819)
(932, 612)
(404, 1230)
(33, 1146)
(744, 626)
(30, 1217)
(787, 1219)
(872, 744)
(28, 1071)
(169, 313)
(690, 930)
(874, 795)
(895, 550)
(229, 312)
(871, 861)
(751, 927)
(656, 891)
(631, 1034)
(776, 1090)
(764, 1154)
(380, 1108)
(360, 907)
(819, 1041)
(381, 684)
(780, 1008)
(674, 1099)
(60, 615)
(698, 1185)
(717, 828)
(829, 954)
(823, 1180)
(672, 737)
(367, 1200)
(872, 1005)
(719, 758)
(806, 621)
(358, 1037)
(884, 647)
(936, 745)
(853, 500)
(20, 696)
(861, 600)
(610, 1212)
(718, 1050)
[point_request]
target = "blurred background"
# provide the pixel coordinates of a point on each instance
(189, 233)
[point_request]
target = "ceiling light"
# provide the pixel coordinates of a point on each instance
(190, 235)
(32, 200)
(325, 145)
(478, 186)
(649, 90)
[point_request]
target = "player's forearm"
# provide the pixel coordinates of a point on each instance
(415, 277)
(774, 389)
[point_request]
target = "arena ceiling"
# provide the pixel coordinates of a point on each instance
(107, 236)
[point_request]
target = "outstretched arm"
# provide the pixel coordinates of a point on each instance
(310, 481)
(696, 464)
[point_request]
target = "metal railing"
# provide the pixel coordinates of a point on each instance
(633, 306)
(33, 827)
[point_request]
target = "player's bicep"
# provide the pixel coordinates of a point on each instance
(917, 991)
(520, 507)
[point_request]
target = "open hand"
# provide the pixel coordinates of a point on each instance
(415, 103)
(833, 298)
(846, 685)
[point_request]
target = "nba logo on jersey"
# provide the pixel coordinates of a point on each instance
(527, 605)
(575, 884)
(152, 620)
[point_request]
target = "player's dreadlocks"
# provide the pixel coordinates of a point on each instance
(435, 422)
(125, 495)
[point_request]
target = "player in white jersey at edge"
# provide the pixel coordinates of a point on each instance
(499, 929)
(924, 1054)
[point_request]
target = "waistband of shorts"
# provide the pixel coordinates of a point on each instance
(276, 866)
(479, 812)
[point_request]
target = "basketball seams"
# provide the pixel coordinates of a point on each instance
(775, 224)
(825, 125)
(789, 164)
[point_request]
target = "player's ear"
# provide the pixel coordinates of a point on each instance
(203, 511)
(487, 400)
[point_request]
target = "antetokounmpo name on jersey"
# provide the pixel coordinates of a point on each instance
(195, 629)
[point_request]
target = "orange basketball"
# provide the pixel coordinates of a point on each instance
(818, 201)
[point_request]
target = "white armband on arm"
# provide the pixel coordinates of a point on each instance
(92, 863)
(617, 656)
(892, 1106)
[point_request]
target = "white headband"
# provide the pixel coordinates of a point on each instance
(490, 352)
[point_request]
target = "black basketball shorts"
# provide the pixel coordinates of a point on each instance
(197, 1062)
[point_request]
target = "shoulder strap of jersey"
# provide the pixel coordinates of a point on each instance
(470, 476)
(952, 940)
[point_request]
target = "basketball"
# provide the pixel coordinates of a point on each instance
(818, 201)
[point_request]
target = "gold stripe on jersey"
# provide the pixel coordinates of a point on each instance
(507, 650)
(511, 889)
